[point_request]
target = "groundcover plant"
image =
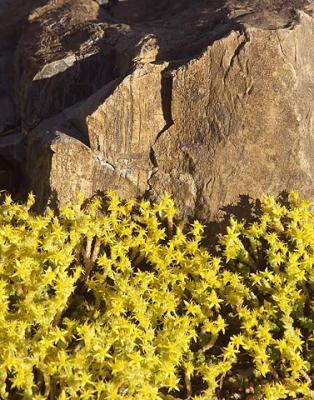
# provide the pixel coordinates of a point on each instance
(116, 300)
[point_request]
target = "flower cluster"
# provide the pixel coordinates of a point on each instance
(116, 301)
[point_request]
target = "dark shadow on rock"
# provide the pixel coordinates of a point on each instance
(40, 164)
(48, 96)
(74, 118)
(13, 19)
(183, 28)
(246, 209)
(8, 181)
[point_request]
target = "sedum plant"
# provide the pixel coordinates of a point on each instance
(115, 300)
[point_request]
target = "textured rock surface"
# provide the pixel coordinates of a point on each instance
(115, 151)
(61, 59)
(208, 100)
(245, 125)
(66, 167)
(122, 136)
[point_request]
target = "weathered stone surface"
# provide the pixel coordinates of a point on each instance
(116, 153)
(243, 120)
(123, 135)
(60, 166)
(219, 108)
(66, 62)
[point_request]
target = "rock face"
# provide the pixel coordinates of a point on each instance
(61, 59)
(243, 120)
(207, 100)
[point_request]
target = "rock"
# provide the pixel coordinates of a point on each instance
(67, 62)
(127, 133)
(115, 154)
(60, 166)
(71, 48)
(243, 120)
(123, 135)
(8, 112)
(218, 109)
(13, 17)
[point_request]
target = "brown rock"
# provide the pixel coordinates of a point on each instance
(123, 135)
(61, 59)
(243, 120)
(62, 166)
(114, 155)
(220, 108)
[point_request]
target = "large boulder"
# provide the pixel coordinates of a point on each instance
(243, 117)
(219, 108)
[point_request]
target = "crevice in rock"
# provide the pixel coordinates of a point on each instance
(166, 96)
(40, 163)
(153, 160)
(166, 99)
